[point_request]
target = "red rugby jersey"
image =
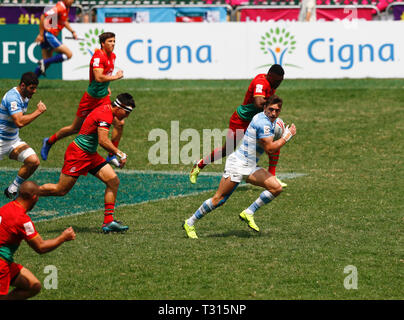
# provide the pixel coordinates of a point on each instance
(58, 17)
(15, 226)
(100, 117)
(259, 86)
(100, 60)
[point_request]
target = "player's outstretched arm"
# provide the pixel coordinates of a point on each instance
(43, 246)
(21, 120)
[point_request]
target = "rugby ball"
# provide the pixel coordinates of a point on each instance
(279, 129)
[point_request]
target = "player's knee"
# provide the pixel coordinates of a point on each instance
(114, 183)
(69, 54)
(32, 161)
(276, 190)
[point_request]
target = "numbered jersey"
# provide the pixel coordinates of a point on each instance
(57, 16)
(250, 149)
(87, 139)
(15, 226)
(11, 103)
(100, 60)
(259, 86)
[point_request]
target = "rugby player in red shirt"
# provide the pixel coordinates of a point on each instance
(81, 157)
(261, 87)
(50, 25)
(98, 93)
(15, 226)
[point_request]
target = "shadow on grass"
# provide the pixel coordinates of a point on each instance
(88, 230)
(239, 234)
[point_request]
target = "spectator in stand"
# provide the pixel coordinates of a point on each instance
(307, 10)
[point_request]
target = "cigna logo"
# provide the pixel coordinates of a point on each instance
(167, 55)
(90, 42)
(277, 43)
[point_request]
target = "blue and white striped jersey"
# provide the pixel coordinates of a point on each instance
(11, 103)
(250, 149)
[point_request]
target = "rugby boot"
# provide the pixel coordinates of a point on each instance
(249, 219)
(190, 230)
(114, 226)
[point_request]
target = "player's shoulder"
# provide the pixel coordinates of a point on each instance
(12, 95)
(60, 5)
(15, 212)
(104, 111)
(260, 120)
(260, 79)
(97, 53)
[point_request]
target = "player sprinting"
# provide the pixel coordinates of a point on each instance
(98, 93)
(242, 164)
(13, 117)
(50, 25)
(15, 226)
(81, 157)
(260, 88)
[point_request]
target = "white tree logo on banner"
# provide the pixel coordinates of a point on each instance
(277, 42)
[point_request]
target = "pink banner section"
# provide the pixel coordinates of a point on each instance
(292, 14)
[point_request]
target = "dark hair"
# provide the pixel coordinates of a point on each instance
(277, 69)
(106, 35)
(274, 99)
(29, 78)
(126, 99)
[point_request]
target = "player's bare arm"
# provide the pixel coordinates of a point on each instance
(43, 246)
(21, 120)
(271, 146)
(100, 77)
(68, 27)
(40, 36)
(259, 102)
(107, 144)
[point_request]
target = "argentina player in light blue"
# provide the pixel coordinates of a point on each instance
(242, 165)
(12, 117)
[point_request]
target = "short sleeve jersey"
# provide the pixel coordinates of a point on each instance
(100, 60)
(11, 103)
(15, 226)
(250, 150)
(100, 117)
(58, 17)
(259, 86)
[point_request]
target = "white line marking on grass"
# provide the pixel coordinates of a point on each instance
(290, 175)
(45, 213)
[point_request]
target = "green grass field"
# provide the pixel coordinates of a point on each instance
(346, 210)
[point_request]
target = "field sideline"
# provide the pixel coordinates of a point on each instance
(346, 210)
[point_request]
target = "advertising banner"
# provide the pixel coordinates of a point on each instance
(292, 14)
(27, 14)
(344, 49)
(162, 14)
(19, 53)
(268, 14)
(398, 11)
